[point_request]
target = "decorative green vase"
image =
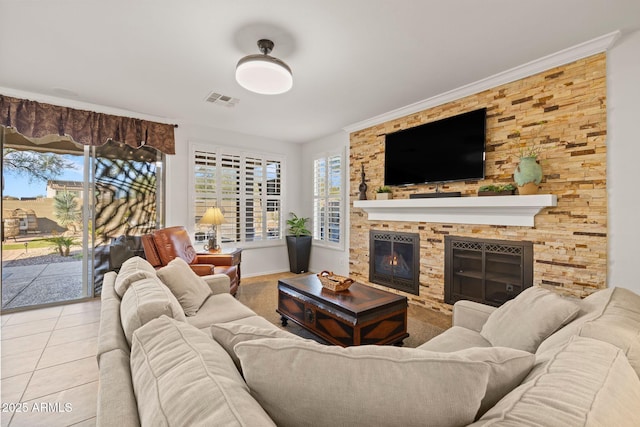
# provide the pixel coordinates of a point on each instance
(528, 175)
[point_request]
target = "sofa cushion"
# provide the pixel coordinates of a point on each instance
(586, 382)
(303, 383)
(508, 368)
(615, 320)
(183, 377)
(525, 321)
(219, 308)
(230, 334)
(625, 337)
(132, 270)
(255, 321)
(455, 338)
(146, 300)
(190, 289)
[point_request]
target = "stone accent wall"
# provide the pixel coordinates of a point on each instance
(562, 111)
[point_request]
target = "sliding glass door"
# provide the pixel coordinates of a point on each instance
(43, 193)
(70, 213)
(128, 186)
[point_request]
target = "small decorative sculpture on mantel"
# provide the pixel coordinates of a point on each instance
(363, 186)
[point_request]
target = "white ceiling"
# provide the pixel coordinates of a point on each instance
(351, 59)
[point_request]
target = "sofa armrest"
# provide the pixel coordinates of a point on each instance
(471, 315)
(219, 283)
(116, 406)
(202, 269)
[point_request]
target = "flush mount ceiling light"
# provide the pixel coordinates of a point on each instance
(264, 74)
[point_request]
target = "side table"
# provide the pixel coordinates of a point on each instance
(230, 257)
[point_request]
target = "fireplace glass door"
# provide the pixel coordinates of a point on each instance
(394, 260)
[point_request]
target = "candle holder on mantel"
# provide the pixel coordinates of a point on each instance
(363, 186)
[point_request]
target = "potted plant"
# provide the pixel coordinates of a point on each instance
(298, 243)
(384, 193)
(528, 173)
(496, 190)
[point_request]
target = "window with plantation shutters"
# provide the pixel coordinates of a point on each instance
(327, 198)
(246, 187)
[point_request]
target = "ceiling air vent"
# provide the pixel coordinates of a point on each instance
(216, 98)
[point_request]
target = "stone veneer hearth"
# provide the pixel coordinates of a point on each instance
(564, 111)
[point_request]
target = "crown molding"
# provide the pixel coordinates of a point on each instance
(70, 103)
(565, 56)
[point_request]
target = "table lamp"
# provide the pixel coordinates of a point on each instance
(214, 217)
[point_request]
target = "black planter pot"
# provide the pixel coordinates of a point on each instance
(299, 248)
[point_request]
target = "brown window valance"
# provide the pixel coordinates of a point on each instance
(35, 120)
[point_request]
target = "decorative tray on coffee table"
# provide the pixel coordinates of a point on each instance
(333, 282)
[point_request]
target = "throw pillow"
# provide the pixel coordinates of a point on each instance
(525, 321)
(146, 300)
(508, 367)
(230, 334)
(182, 377)
(190, 289)
(591, 308)
(132, 270)
(585, 382)
(303, 383)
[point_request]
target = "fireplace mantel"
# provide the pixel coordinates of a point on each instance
(490, 210)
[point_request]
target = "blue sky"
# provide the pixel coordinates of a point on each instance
(19, 186)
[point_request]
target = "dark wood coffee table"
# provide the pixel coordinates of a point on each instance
(360, 315)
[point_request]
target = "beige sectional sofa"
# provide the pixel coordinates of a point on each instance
(117, 405)
(538, 360)
(587, 368)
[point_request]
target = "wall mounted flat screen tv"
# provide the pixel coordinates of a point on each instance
(446, 150)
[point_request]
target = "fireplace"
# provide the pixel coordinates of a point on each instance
(394, 260)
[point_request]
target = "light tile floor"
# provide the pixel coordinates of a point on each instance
(48, 371)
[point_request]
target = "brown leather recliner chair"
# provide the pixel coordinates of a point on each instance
(162, 246)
